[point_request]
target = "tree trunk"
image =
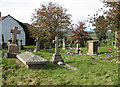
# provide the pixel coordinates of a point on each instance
(116, 36)
(117, 39)
(118, 46)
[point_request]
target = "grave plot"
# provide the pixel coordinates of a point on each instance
(31, 60)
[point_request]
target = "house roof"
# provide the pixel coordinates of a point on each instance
(25, 28)
(1, 18)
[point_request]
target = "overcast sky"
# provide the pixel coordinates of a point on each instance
(22, 9)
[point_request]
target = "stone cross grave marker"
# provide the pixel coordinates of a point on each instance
(56, 57)
(92, 47)
(14, 32)
(31, 60)
(13, 48)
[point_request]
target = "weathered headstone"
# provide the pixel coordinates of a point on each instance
(64, 43)
(2, 39)
(56, 57)
(31, 60)
(13, 48)
(4, 45)
(77, 49)
(47, 45)
(113, 43)
(92, 47)
(21, 46)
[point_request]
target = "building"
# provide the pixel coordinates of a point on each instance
(7, 23)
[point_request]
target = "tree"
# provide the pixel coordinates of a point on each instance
(101, 28)
(47, 22)
(80, 34)
(112, 16)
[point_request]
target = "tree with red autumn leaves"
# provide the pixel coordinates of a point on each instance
(47, 22)
(79, 33)
(111, 20)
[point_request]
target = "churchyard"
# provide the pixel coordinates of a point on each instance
(100, 69)
(60, 54)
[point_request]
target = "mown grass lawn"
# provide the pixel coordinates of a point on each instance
(90, 72)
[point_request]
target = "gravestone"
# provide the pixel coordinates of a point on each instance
(47, 45)
(77, 49)
(31, 60)
(113, 43)
(64, 43)
(13, 48)
(56, 57)
(21, 46)
(4, 45)
(92, 47)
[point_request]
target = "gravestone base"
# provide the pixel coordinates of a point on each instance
(77, 51)
(12, 55)
(56, 58)
(13, 50)
(21, 48)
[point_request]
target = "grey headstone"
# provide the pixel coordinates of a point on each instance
(92, 47)
(29, 58)
(4, 54)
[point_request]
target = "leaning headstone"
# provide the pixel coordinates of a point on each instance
(92, 47)
(31, 60)
(13, 48)
(56, 57)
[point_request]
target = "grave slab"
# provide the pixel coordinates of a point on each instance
(31, 60)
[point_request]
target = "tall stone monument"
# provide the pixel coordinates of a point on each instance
(77, 49)
(92, 47)
(56, 57)
(13, 48)
(64, 43)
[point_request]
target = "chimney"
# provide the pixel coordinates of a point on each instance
(0, 14)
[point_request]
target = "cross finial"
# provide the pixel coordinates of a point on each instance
(14, 32)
